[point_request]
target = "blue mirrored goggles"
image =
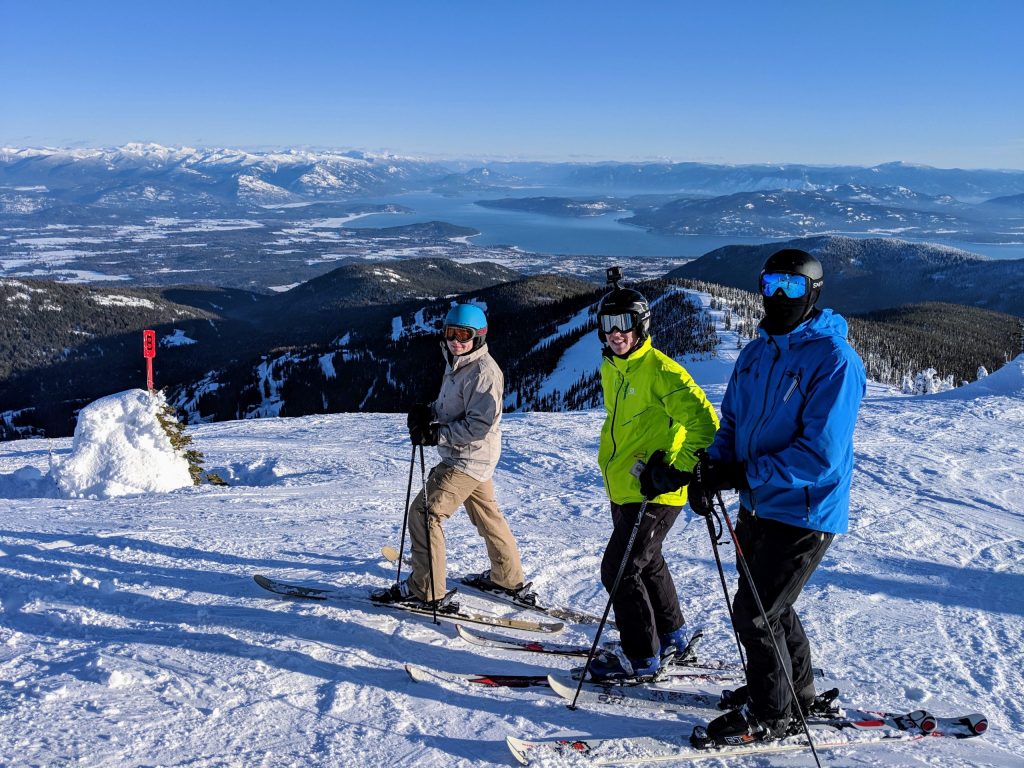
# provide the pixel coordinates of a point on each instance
(792, 286)
(622, 323)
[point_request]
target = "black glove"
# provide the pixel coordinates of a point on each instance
(418, 422)
(658, 477)
(424, 434)
(420, 414)
(711, 476)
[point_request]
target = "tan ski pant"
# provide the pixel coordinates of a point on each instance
(447, 490)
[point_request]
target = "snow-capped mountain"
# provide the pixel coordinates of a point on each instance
(77, 175)
(231, 175)
(838, 209)
(709, 179)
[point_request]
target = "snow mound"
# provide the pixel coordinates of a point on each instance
(1007, 381)
(120, 449)
(260, 472)
(26, 483)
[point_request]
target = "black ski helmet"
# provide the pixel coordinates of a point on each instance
(782, 313)
(621, 301)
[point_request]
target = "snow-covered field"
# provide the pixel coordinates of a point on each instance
(132, 634)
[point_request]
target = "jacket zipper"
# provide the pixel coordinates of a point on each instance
(615, 411)
(764, 406)
(792, 387)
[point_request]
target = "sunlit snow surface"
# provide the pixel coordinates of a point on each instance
(131, 632)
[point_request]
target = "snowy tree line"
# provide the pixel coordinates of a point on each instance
(924, 348)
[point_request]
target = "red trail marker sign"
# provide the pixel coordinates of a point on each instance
(149, 352)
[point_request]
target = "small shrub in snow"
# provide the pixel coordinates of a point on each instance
(174, 428)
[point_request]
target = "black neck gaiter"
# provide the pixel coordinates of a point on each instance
(782, 315)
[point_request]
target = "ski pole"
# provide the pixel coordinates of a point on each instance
(426, 526)
(405, 516)
(742, 561)
(615, 586)
(725, 588)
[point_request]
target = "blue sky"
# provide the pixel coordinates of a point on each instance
(826, 82)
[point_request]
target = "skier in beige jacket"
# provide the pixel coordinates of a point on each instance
(464, 424)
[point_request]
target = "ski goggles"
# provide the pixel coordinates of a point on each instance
(622, 323)
(458, 333)
(792, 286)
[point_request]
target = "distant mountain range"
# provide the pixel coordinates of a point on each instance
(177, 178)
(844, 208)
(153, 215)
(706, 179)
(183, 178)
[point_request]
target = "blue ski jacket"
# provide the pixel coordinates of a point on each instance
(789, 413)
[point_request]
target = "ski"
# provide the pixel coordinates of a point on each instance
(422, 674)
(857, 729)
(688, 662)
(500, 596)
(701, 691)
(618, 692)
(450, 613)
(517, 644)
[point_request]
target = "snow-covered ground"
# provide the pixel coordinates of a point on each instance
(132, 634)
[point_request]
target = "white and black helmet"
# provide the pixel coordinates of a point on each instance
(623, 309)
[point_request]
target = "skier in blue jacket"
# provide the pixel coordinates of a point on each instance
(786, 444)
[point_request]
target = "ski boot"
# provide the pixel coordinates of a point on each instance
(401, 593)
(674, 643)
(618, 668)
(740, 726)
(733, 699)
(679, 647)
(521, 594)
(824, 706)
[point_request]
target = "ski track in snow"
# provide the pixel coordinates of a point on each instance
(132, 634)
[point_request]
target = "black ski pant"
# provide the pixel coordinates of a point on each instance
(781, 559)
(646, 604)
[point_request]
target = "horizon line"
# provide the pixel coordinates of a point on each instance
(480, 158)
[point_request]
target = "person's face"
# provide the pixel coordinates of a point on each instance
(457, 347)
(620, 342)
(459, 340)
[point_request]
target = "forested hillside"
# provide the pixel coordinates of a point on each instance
(864, 275)
(952, 339)
(366, 338)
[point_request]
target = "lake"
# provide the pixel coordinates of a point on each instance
(593, 236)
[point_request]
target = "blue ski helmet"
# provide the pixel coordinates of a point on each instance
(468, 316)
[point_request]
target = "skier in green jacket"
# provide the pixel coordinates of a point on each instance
(656, 413)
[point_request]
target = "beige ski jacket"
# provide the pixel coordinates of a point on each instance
(468, 411)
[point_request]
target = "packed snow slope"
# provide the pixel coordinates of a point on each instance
(132, 634)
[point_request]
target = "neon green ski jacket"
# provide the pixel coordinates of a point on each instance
(652, 403)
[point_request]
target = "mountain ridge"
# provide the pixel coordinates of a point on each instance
(862, 275)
